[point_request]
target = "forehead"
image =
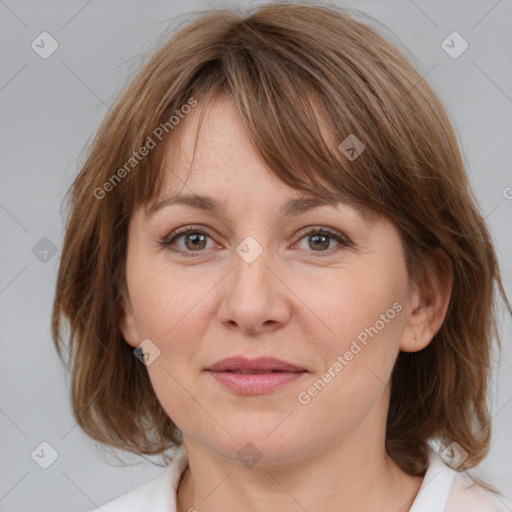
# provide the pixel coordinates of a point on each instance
(212, 139)
(210, 160)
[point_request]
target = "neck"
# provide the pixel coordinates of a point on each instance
(334, 476)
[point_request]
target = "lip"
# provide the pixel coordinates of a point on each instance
(259, 364)
(272, 373)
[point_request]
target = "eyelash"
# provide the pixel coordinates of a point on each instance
(166, 241)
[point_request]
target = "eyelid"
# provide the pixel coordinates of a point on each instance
(167, 240)
(342, 239)
(323, 229)
(175, 233)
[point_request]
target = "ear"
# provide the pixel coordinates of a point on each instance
(127, 324)
(428, 302)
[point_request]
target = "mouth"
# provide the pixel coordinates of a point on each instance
(256, 376)
(258, 372)
(260, 365)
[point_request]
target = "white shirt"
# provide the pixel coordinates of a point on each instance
(443, 490)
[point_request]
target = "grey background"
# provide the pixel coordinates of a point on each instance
(49, 110)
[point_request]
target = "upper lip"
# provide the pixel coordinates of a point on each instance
(259, 364)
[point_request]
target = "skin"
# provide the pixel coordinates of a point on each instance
(295, 302)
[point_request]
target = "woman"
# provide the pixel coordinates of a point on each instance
(274, 265)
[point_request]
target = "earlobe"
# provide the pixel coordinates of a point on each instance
(429, 303)
(127, 324)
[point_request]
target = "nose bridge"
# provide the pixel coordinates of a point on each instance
(253, 297)
(251, 266)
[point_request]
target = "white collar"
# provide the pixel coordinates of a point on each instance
(436, 485)
(162, 495)
(433, 495)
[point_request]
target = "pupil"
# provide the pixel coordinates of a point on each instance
(325, 239)
(196, 240)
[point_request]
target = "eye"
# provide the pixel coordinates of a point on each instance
(193, 240)
(189, 240)
(319, 240)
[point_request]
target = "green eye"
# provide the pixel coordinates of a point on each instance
(194, 240)
(190, 240)
(319, 240)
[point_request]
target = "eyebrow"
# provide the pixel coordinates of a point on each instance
(292, 207)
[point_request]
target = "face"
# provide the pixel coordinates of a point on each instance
(321, 289)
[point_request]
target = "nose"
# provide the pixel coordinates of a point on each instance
(254, 298)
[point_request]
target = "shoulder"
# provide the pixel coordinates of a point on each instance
(467, 496)
(156, 495)
(447, 490)
(132, 501)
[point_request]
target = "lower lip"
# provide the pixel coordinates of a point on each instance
(255, 383)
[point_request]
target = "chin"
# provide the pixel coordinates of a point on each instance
(259, 444)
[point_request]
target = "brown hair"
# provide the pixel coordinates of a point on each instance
(303, 77)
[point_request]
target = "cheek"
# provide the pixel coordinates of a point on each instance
(170, 313)
(364, 316)
(168, 304)
(360, 307)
